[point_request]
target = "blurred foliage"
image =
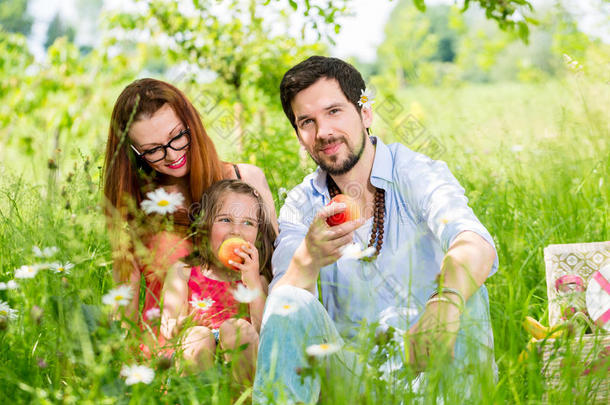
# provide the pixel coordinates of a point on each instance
(58, 28)
(14, 16)
(446, 46)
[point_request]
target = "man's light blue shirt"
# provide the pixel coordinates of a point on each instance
(425, 209)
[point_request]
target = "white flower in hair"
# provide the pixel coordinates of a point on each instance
(161, 202)
(244, 294)
(366, 98)
(323, 349)
(137, 374)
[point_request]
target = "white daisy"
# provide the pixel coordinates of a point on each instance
(202, 305)
(244, 294)
(366, 98)
(162, 202)
(152, 313)
(6, 312)
(9, 285)
(26, 271)
(118, 296)
(323, 349)
(285, 309)
(62, 267)
(46, 252)
(137, 374)
(355, 251)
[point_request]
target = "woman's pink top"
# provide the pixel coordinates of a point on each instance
(224, 305)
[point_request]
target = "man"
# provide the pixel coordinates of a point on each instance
(430, 258)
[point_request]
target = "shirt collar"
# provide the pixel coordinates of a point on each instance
(382, 169)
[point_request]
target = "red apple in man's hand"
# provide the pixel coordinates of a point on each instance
(351, 213)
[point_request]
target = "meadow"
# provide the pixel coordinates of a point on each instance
(534, 160)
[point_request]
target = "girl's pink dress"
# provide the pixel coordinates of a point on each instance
(166, 249)
(223, 307)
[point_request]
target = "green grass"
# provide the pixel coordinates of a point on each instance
(552, 188)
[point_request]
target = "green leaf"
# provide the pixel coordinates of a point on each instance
(420, 4)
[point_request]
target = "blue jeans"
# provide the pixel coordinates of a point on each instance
(294, 319)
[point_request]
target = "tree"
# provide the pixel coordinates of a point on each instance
(57, 29)
(14, 16)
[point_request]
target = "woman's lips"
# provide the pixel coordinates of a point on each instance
(178, 163)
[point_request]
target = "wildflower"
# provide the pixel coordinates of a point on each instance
(152, 313)
(282, 192)
(366, 98)
(26, 271)
(162, 202)
(516, 148)
(137, 374)
(118, 296)
(323, 349)
(62, 268)
(286, 309)
(202, 305)
(46, 252)
(9, 285)
(36, 313)
(355, 251)
(6, 312)
(244, 294)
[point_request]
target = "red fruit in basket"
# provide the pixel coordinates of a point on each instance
(351, 213)
(226, 252)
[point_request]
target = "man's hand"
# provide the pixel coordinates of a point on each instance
(435, 332)
(322, 246)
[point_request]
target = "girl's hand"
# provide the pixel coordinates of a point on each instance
(250, 274)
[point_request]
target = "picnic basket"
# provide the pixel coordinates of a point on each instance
(578, 367)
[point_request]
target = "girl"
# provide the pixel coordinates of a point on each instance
(156, 139)
(204, 295)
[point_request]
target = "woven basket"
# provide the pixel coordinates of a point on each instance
(572, 367)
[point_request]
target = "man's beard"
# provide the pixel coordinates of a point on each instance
(348, 164)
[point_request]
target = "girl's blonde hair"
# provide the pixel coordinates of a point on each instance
(210, 206)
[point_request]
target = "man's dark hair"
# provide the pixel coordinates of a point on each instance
(312, 69)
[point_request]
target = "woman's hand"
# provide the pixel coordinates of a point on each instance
(250, 272)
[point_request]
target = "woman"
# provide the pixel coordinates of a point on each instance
(156, 139)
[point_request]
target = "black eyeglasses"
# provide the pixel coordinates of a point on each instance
(158, 153)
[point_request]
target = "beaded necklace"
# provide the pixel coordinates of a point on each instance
(378, 216)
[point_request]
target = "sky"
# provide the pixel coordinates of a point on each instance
(360, 34)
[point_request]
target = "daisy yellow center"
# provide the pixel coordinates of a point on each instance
(163, 203)
(3, 312)
(137, 375)
(444, 220)
(324, 346)
(118, 297)
(286, 306)
(60, 269)
(364, 99)
(30, 269)
(202, 304)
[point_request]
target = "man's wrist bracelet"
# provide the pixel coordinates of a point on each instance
(441, 291)
(444, 299)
